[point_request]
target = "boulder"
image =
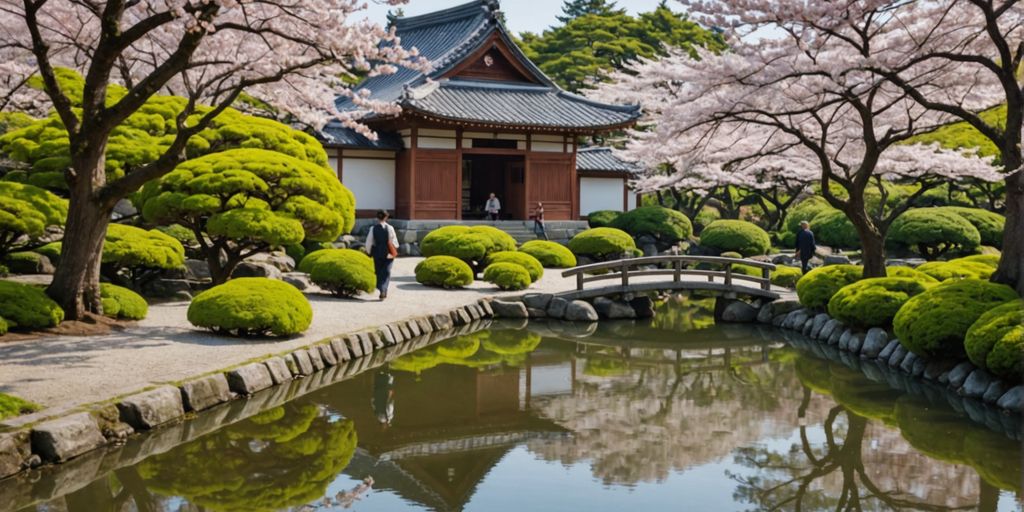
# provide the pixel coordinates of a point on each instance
(739, 312)
(917, 369)
(819, 323)
(278, 260)
(855, 343)
(67, 437)
(994, 392)
(959, 374)
(537, 300)
(782, 259)
(613, 309)
(874, 341)
(808, 325)
(299, 280)
(461, 317)
(30, 263)
(179, 289)
(152, 408)
(315, 359)
(976, 384)
(556, 308)
(837, 333)
(250, 378)
(441, 323)
(844, 339)
(536, 313)
(580, 311)
(836, 259)
(649, 249)
(906, 262)
(1012, 399)
(795, 319)
(826, 330)
(888, 350)
(643, 306)
(205, 392)
(15, 451)
(278, 370)
(897, 356)
(327, 354)
(508, 309)
(341, 349)
(256, 269)
(198, 270)
(934, 369)
(907, 365)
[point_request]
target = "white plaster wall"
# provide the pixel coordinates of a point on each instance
(600, 194)
(372, 181)
(631, 200)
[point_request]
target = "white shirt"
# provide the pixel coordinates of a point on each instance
(493, 205)
(391, 236)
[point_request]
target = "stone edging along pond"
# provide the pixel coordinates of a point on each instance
(31, 441)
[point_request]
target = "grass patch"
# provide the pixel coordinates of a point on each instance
(11, 406)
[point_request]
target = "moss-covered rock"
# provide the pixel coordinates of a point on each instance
(28, 262)
(932, 232)
(735, 235)
(602, 218)
(531, 264)
(786, 276)
(343, 272)
(507, 276)
(956, 269)
(601, 243)
(818, 286)
(834, 229)
(444, 271)
(667, 226)
(27, 307)
(122, 303)
(252, 306)
(935, 322)
(989, 224)
(874, 302)
(996, 341)
(550, 254)
(469, 244)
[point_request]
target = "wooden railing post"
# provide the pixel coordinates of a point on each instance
(677, 266)
(625, 272)
(579, 281)
(728, 274)
(766, 274)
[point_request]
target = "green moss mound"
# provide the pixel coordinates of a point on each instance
(252, 306)
(27, 307)
(550, 254)
(25, 262)
(873, 302)
(470, 244)
(736, 235)
(818, 286)
(344, 272)
(934, 323)
(531, 264)
(601, 243)
(804, 210)
(122, 303)
(996, 341)
(507, 276)
(991, 260)
(989, 224)
(786, 276)
(956, 269)
(932, 232)
(665, 225)
(11, 406)
(602, 218)
(901, 271)
(311, 259)
(706, 216)
(834, 229)
(444, 271)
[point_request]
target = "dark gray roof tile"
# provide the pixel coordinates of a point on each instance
(597, 159)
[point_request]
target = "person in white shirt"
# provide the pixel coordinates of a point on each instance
(493, 207)
(382, 245)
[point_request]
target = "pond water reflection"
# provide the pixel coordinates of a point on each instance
(675, 413)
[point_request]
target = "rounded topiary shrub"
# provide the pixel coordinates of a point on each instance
(507, 276)
(705, 216)
(444, 271)
(735, 235)
(932, 232)
(311, 259)
(668, 226)
(343, 272)
(531, 264)
(602, 218)
(550, 254)
(122, 303)
(466, 243)
(934, 323)
(901, 271)
(599, 243)
(989, 224)
(956, 269)
(834, 229)
(818, 286)
(786, 276)
(252, 306)
(991, 260)
(805, 210)
(996, 340)
(873, 302)
(28, 307)
(500, 240)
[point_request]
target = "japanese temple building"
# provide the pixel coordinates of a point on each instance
(484, 120)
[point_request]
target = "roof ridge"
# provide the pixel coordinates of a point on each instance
(635, 107)
(487, 8)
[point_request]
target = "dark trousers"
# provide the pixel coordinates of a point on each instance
(382, 267)
(805, 263)
(538, 228)
(492, 216)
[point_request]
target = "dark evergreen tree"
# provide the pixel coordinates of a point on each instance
(572, 9)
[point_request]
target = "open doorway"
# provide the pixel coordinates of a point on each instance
(504, 175)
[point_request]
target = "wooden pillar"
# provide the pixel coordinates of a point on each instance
(575, 181)
(412, 172)
(625, 194)
(458, 173)
(341, 159)
(526, 177)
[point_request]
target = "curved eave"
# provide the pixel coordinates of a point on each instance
(431, 116)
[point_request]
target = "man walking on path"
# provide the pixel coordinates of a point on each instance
(805, 245)
(538, 221)
(382, 245)
(493, 207)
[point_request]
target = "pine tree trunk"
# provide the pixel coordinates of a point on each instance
(1011, 263)
(76, 282)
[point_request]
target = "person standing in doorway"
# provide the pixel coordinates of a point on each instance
(493, 207)
(382, 245)
(805, 245)
(538, 221)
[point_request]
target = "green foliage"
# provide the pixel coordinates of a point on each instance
(27, 307)
(122, 303)
(668, 226)
(996, 341)
(251, 306)
(11, 406)
(311, 259)
(51, 251)
(344, 272)
(834, 229)
(991, 260)
(736, 235)
(706, 216)
(901, 271)
(873, 302)
(444, 271)
(25, 213)
(989, 224)
(602, 243)
(806, 209)
(956, 269)
(531, 264)
(507, 276)
(786, 276)
(129, 246)
(549, 254)
(25, 262)
(962, 135)
(933, 232)
(934, 323)
(481, 349)
(469, 244)
(816, 288)
(602, 218)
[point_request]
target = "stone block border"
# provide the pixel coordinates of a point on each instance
(57, 437)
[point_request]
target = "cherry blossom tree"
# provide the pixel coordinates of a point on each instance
(293, 55)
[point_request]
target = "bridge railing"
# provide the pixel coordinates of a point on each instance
(675, 266)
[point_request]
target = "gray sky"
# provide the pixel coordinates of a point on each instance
(520, 15)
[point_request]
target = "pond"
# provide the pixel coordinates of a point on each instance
(672, 413)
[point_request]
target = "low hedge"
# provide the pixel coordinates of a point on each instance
(252, 306)
(996, 341)
(989, 224)
(444, 271)
(934, 323)
(834, 229)
(27, 307)
(666, 225)
(549, 254)
(507, 276)
(343, 272)
(735, 235)
(470, 244)
(122, 303)
(818, 286)
(956, 269)
(874, 302)
(602, 218)
(602, 242)
(531, 264)
(932, 232)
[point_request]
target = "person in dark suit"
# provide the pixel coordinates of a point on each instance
(805, 245)
(382, 243)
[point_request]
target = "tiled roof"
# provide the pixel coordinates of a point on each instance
(336, 135)
(597, 158)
